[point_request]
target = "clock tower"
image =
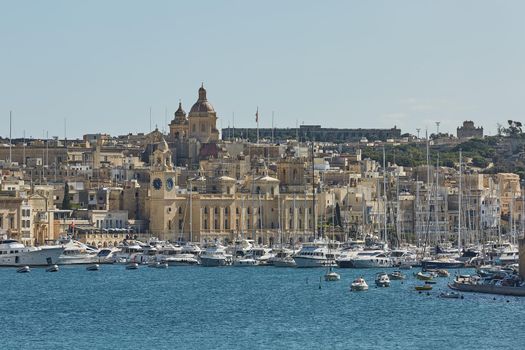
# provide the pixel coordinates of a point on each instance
(162, 190)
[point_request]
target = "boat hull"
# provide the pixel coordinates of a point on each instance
(39, 257)
(489, 289)
(442, 265)
(302, 262)
(214, 262)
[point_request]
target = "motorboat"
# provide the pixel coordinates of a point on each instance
(439, 272)
(371, 259)
(396, 275)
(132, 266)
(382, 280)
(344, 260)
(359, 284)
(283, 258)
(13, 253)
(174, 255)
(402, 257)
(128, 251)
(23, 269)
(331, 276)
(76, 252)
(315, 254)
(52, 268)
(191, 248)
(161, 265)
(424, 287)
(262, 255)
(107, 255)
(215, 255)
(442, 263)
(245, 262)
(451, 295)
(94, 267)
(424, 276)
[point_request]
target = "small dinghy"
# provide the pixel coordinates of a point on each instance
(162, 265)
(451, 295)
(424, 287)
(331, 276)
(132, 266)
(94, 267)
(396, 275)
(52, 268)
(23, 269)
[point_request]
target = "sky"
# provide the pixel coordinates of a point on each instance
(77, 67)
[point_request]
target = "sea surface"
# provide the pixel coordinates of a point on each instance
(244, 308)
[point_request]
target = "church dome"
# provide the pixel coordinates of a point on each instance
(202, 105)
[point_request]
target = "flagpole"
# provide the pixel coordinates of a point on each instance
(257, 120)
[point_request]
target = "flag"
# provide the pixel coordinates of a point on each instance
(257, 115)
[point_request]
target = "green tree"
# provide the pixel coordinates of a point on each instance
(66, 204)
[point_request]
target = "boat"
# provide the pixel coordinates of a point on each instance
(215, 255)
(13, 253)
(23, 269)
(76, 252)
(262, 255)
(359, 284)
(508, 286)
(442, 263)
(382, 280)
(424, 276)
(371, 259)
(424, 287)
(161, 265)
(450, 295)
(315, 254)
(283, 258)
(331, 276)
(132, 266)
(402, 257)
(52, 268)
(442, 273)
(347, 255)
(245, 261)
(396, 275)
(94, 267)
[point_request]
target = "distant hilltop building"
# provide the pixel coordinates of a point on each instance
(313, 132)
(469, 131)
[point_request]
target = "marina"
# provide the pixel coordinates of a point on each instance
(196, 307)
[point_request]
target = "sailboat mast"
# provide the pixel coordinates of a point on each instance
(384, 197)
(191, 213)
(460, 197)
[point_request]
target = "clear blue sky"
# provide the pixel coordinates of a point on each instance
(103, 64)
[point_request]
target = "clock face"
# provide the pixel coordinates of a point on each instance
(169, 183)
(157, 183)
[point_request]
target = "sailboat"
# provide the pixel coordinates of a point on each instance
(331, 276)
(282, 258)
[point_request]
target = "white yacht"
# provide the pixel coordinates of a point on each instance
(347, 255)
(76, 252)
(173, 255)
(371, 258)
(262, 255)
(402, 257)
(315, 254)
(128, 251)
(282, 258)
(13, 253)
(215, 255)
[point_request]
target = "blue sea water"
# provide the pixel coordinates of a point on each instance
(244, 308)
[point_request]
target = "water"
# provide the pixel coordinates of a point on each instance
(243, 308)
